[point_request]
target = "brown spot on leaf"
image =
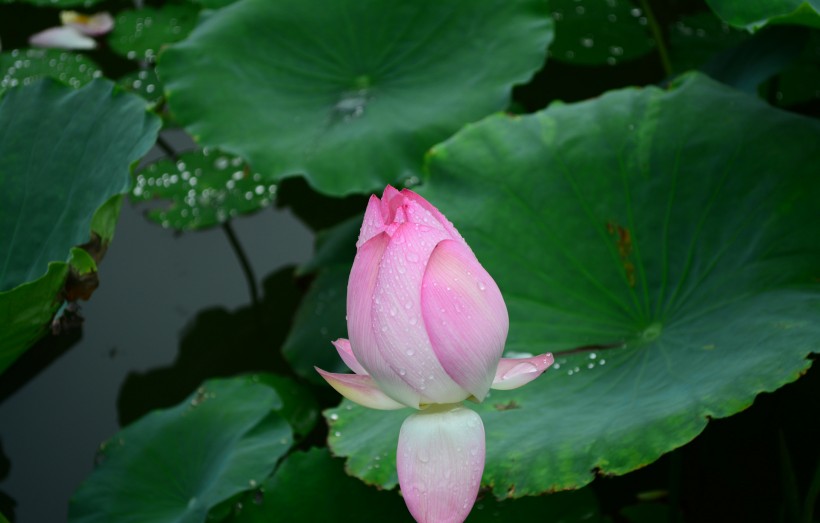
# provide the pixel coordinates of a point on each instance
(623, 240)
(507, 406)
(511, 491)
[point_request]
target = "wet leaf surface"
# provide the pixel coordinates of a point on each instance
(348, 93)
(659, 320)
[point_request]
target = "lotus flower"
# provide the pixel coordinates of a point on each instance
(76, 31)
(427, 327)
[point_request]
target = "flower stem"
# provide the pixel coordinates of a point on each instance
(243, 261)
(657, 34)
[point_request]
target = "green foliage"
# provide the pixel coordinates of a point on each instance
(161, 468)
(51, 188)
(23, 66)
(668, 295)
(57, 3)
(347, 93)
(141, 34)
(754, 14)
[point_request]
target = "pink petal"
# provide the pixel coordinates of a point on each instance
(91, 25)
(360, 389)
(465, 315)
(360, 288)
(514, 372)
(440, 460)
(346, 353)
(391, 199)
(373, 222)
(62, 38)
(398, 324)
(438, 216)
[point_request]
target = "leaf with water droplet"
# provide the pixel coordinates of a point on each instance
(348, 107)
(141, 34)
(205, 189)
(144, 83)
(19, 67)
(597, 32)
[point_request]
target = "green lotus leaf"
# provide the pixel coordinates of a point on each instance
(205, 188)
(597, 32)
(174, 465)
(140, 34)
(663, 244)
(23, 66)
(57, 193)
(754, 14)
(349, 93)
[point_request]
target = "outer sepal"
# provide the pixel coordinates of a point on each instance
(516, 372)
(360, 389)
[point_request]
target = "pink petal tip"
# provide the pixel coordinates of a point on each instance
(516, 372)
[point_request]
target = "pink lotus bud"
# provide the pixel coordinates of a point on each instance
(427, 328)
(426, 321)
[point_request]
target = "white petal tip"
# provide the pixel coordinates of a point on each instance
(62, 38)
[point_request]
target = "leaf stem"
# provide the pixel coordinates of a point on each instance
(657, 34)
(166, 147)
(243, 261)
(163, 144)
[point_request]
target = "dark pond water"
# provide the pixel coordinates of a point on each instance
(153, 285)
